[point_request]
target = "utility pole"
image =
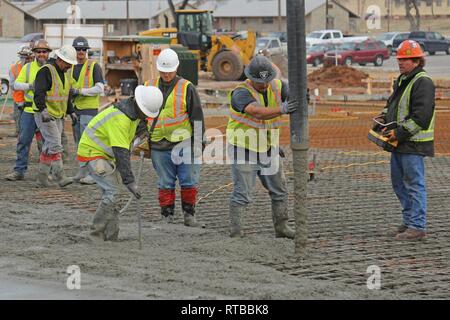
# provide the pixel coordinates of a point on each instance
(73, 6)
(389, 15)
(298, 119)
(128, 17)
(326, 14)
(279, 15)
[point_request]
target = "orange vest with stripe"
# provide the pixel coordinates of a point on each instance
(173, 121)
(18, 95)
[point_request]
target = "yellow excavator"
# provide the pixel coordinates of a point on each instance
(224, 55)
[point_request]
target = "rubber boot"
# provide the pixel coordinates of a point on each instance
(167, 213)
(189, 218)
(106, 222)
(42, 176)
(58, 171)
(280, 220)
(235, 220)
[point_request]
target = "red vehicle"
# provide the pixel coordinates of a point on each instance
(316, 53)
(362, 52)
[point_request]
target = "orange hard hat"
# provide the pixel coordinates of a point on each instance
(409, 49)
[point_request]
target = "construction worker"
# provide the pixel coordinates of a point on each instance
(256, 107)
(26, 82)
(87, 86)
(180, 125)
(25, 56)
(52, 103)
(105, 147)
(411, 106)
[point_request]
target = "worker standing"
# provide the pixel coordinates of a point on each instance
(25, 56)
(26, 83)
(87, 86)
(411, 105)
(105, 147)
(52, 103)
(256, 107)
(174, 127)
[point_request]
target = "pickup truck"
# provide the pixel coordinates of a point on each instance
(431, 42)
(392, 39)
(324, 36)
(369, 51)
(273, 45)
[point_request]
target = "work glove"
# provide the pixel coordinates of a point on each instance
(75, 92)
(74, 118)
(133, 189)
(288, 107)
(46, 117)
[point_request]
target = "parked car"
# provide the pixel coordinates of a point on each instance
(280, 35)
(32, 37)
(431, 42)
(369, 51)
(272, 44)
(392, 39)
(324, 36)
(315, 54)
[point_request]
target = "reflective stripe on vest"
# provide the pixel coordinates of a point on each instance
(179, 119)
(57, 97)
(267, 131)
(90, 131)
(18, 95)
(29, 94)
(403, 111)
(85, 80)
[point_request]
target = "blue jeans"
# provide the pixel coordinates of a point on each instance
(26, 134)
(244, 180)
(78, 128)
(168, 172)
(408, 182)
(108, 180)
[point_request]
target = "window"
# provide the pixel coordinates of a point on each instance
(327, 36)
(244, 20)
(431, 36)
(267, 20)
(371, 46)
(336, 35)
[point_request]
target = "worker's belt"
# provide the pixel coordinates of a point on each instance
(28, 104)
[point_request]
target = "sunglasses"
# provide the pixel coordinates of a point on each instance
(41, 51)
(81, 49)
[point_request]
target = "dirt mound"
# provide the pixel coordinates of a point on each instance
(337, 77)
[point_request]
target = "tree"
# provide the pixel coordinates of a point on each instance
(172, 7)
(414, 20)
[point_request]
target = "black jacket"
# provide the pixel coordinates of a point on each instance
(421, 111)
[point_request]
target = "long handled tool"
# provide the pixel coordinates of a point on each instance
(138, 202)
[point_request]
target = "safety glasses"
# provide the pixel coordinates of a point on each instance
(81, 49)
(41, 51)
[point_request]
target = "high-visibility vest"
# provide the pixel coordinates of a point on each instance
(110, 128)
(57, 97)
(28, 75)
(85, 80)
(18, 95)
(173, 121)
(418, 133)
(248, 132)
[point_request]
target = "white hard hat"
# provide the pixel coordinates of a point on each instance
(67, 53)
(149, 99)
(167, 61)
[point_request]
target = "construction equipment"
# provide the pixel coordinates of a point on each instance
(224, 55)
(377, 135)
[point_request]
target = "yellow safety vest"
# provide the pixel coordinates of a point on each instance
(173, 121)
(110, 128)
(28, 75)
(419, 134)
(57, 97)
(85, 80)
(248, 132)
